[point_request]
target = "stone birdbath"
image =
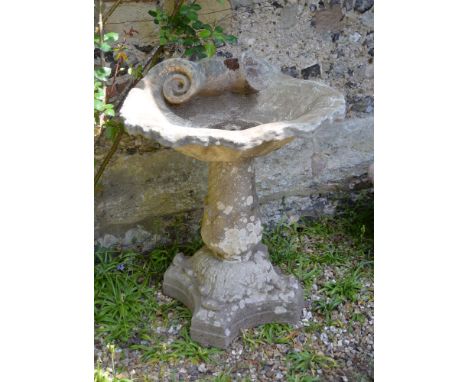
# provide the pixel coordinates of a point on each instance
(227, 112)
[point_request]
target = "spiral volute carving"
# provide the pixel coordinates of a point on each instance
(182, 80)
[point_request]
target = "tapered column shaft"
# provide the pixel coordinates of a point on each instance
(231, 225)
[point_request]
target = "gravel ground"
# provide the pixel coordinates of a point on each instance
(346, 337)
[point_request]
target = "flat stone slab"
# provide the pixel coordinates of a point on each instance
(227, 296)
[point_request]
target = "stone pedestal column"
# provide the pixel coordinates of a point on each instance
(230, 284)
(231, 226)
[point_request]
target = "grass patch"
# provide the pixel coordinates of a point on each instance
(344, 240)
(307, 362)
(307, 247)
(344, 289)
(303, 378)
(268, 334)
(223, 377)
(123, 297)
(182, 348)
(186, 348)
(173, 312)
(284, 245)
(126, 284)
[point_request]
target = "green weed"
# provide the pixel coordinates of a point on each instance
(326, 307)
(101, 375)
(268, 334)
(173, 311)
(338, 292)
(344, 289)
(223, 377)
(306, 361)
(276, 333)
(284, 245)
(358, 317)
(182, 348)
(303, 378)
(186, 348)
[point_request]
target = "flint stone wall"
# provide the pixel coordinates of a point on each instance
(153, 195)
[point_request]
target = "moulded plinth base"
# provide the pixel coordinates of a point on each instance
(226, 296)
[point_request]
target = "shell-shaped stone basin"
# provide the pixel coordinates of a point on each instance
(227, 109)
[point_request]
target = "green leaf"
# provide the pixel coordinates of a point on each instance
(112, 129)
(98, 105)
(110, 112)
(111, 37)
(102, 73)
(99, 93)
(184, 9)
(195, 7)
(188, 41)
(188, 52)
(135, 71)
(219, 29)
(230, 39)
(219, 36)
(192, 15)
(197, 24)
(210, 49)
(105, 47)
(204, 33)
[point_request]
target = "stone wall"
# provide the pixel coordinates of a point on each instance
(151, 194)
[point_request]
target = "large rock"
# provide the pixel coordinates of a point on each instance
(148, 199)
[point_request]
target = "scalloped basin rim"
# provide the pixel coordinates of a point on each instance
(157, 109)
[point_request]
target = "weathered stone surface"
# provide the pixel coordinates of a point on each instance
(342, 150)
(288, 16)
(231, 225)
(311, 71)
(264, 107)
(230, 284)
(259, 29)
(362, 104)
(290, 71)
(226, 296)
(328, 20)
(371, 173)
(149, 190)
(289, 182)
(134, 15)
(363, 5)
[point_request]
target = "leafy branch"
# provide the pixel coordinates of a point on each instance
(181, 29)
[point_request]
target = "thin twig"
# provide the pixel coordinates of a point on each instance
(153, 57)
(209, 13)
(131, 21)
(111, 11)
(102, 60)
(108, 156)
(149, 64)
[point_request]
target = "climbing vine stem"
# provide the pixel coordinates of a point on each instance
(180, 29)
